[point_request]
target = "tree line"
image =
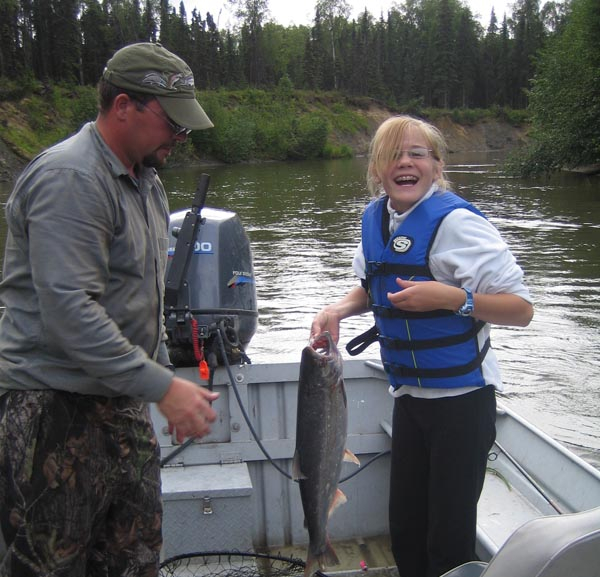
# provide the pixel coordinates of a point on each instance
(430, 53)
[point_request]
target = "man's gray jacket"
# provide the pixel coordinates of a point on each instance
(83, 278)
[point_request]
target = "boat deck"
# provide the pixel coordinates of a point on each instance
(223, 494)
(371, 554)
(502, 509)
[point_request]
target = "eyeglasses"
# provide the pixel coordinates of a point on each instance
(177, 129)
(416, 153)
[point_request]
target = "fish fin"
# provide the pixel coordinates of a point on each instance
(350, 457)
(338, 499)
(296, 472)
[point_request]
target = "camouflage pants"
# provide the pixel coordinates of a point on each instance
(80, 486)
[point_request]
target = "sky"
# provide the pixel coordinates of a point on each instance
(290, 12)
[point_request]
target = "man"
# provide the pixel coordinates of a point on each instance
(82, 342)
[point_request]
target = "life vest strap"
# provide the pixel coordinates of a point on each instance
(444, 372)
(394, 313)
(358, 344)
(421, 344)
(374, 268)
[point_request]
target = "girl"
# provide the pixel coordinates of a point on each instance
(436, 274)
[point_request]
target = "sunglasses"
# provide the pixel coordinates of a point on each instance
(177, 129)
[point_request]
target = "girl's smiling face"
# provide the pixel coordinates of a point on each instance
(405, 163)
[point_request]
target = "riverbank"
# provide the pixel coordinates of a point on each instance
(481, 135)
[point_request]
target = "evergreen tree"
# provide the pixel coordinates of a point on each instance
(9, 40)
(332, 13)
(314, 55)
(96, 47)
(443, 51)
(42, 20)
(214, 51)
(467, 64)
(362, 57)
(252, 14)
(425, 52)
(180, 40)
(491, 62)
(528, 39)
(233, 74)
(149, 21)
(504, 66)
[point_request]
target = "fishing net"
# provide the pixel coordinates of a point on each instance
(231, 564)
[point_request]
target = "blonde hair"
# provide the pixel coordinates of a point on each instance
(388, 140)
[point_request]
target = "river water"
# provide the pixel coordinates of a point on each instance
(303, 220)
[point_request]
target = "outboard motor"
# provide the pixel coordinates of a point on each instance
(210, 287)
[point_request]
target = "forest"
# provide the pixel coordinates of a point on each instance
(541, 58)
(431, 51)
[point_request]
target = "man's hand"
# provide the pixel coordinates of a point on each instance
(187, 408)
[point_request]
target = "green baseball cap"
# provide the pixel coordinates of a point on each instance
(149, 68)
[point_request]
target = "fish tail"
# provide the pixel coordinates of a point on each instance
(311, 561)
(325, 559)
(329, 557)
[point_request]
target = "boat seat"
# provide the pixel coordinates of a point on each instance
(553, 546)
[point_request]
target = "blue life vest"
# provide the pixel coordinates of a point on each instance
(429, 349)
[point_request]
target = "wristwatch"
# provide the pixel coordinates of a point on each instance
(467, 309)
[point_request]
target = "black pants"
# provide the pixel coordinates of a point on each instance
(439, 457)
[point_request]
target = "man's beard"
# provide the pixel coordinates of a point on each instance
(152, 161)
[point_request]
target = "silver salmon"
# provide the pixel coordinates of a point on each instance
(321, 428)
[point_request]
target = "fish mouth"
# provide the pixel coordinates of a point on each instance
(322, 344)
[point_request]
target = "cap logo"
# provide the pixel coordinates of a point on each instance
(171, 82)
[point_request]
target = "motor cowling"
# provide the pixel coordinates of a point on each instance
(215, 290)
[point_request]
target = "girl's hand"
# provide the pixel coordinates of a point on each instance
(422, 296)
(325, 321)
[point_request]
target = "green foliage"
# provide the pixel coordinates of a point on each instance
(337, 151)
(468, 116)
(424, 53)
(310, 136)
(234, 139)
(345, 120)
(35, 126)
(274, 137)
(510, 115)
(249, 124)
(532, 160)
(79, 106)
(85, 108)
(38, 114)
(565, 99)
(413, 107)
(13, 90)
(285, 88)
(47, 114)
(274, 125)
